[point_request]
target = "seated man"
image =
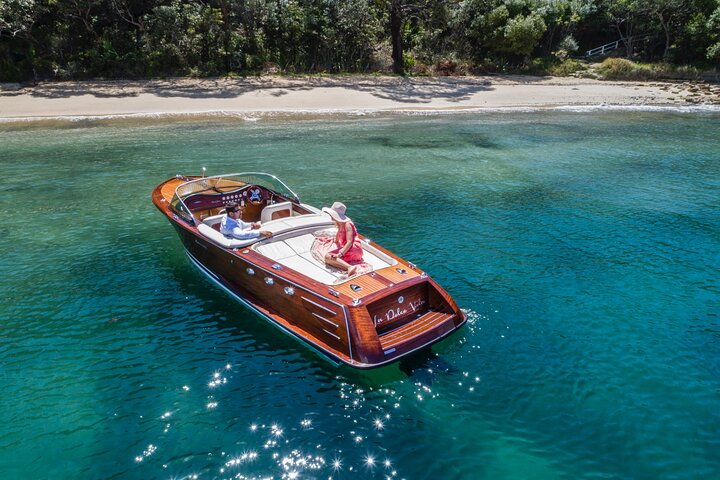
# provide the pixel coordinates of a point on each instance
(233, 226)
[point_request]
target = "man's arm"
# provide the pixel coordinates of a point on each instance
(241, 234)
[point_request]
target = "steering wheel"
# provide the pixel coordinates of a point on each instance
(254, 194)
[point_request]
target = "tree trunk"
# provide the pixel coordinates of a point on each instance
(396, 37)
(547, 49)
(626, 35)
(666, 28)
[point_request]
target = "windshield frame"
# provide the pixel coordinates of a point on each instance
(203, 184)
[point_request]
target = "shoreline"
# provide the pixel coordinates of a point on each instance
(246, 98)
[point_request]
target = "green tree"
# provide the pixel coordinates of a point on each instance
(521, 34)
(498, 29)
(17, 55)
(713, 26)
(668, 16)
(399, 12)
(562, 18)
(16, 16)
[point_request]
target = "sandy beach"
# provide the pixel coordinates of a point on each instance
(336, 94)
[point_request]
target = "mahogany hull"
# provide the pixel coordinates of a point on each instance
(397, 317)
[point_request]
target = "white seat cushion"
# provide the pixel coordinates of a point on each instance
(309, 220)
(310, 269)
(374, 261)
(215, 219)
(333, 271)
(276, 250)
(287, 224)
(222, 240)
(267, 213)
(301, 243)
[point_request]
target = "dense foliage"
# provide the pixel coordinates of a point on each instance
(46, 39)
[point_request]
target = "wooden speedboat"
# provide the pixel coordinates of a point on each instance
(365, 321)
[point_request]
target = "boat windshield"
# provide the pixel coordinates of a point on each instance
(222, 183)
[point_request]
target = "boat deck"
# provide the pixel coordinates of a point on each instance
(291, 246)
(296, 252)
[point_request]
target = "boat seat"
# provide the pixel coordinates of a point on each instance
(301, 244)
(276, 250)
(276, 211)
(296, 253)
(209, 227)
(311, 268)
(375, 261)
(214, 220)
(223, 240)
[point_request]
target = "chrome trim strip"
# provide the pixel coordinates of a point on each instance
(323, 318)
(319, 306)
(330, 333)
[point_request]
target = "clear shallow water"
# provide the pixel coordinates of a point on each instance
(585, 247)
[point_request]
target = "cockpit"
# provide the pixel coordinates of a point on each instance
(201, 203)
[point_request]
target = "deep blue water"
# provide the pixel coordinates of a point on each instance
(585, 248)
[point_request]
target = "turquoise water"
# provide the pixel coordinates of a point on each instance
(585, 248)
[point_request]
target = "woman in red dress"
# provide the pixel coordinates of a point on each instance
(346, 252)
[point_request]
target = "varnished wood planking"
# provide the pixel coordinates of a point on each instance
(403, 306)
(394, 276)
(423, 324)
(168, 189)
(228, 185)
(366, 283)
(377, 280)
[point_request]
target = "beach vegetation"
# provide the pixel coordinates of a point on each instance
(420, 69)
(45, 40)
(623, 69)
(534, 66)
(408, 61)
(566, 48)
(566, 68)
(713, 24)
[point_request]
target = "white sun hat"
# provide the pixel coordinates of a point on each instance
(337, 212)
